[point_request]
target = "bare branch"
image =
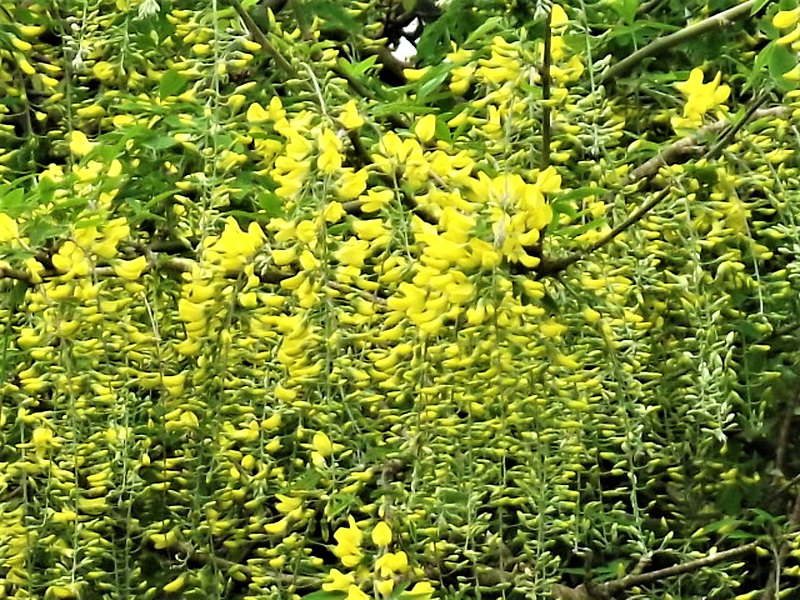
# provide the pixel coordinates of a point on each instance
(259, 37)
(685, 147)
(608, 590)
(717, 21)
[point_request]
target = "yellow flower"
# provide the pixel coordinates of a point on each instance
(42, 437)
(374, 200)
(784, 19)
(31, 30)
(370, 229)
(352, 184)
(422, 590)
(552, 329)
(702, 97)
(130, 269)
(348, 547)
(425, 128)
(333, 212)
(71, 259)
(322, 444)
(390, 563)
(414, 74)
(103, 70)
(287, 504)
(382, 534)
(558, 17)
(338, 581)
(276, 110)
(385, 587)
(356, 593)
(175, 585)
(353, 252)
(79, 144)
(330, 159)
(234, 247)
(350, 117)
(256, 113)
(277, 528)
(62, 591)
(8, 228)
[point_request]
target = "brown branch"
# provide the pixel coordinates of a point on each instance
(604, 591)
(783, 433)
(647, 7)
(259, 37)
(794, 518)
(546, 116)
(684, 148)
(716, 21)
(389, 61)
(546, 133)
(551, 266)
(772, 583)
(18, 274)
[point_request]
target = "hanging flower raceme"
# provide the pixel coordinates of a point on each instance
(517, 210)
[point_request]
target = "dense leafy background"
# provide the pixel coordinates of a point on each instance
(284, 315)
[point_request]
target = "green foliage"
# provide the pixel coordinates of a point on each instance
(283, 317)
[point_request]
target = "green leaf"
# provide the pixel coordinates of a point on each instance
(626, 9)
(323, 595)
(442, 131)
(432, 81)
(393, 108)
(758, 6)
(334, 14)
(488, 27)
(17, 295)
(409, 5)
(271, 204)
(248, 3)
(581, 193)
(171, 83)
(13, 202)
(159, 142)
(781, 61)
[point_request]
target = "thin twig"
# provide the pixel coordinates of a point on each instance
(546, 133)
(783, 434)
(259, 37)
(718, 20)
(689, 145)
(770, 591)
(647, 7)
(609, 589)
(729, 134)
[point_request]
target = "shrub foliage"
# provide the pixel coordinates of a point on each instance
(284, 315)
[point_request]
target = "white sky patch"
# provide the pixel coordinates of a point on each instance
(405, 49)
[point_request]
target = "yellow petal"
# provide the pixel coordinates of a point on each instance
(79, 144)
(558, 17)
(130, 269)
(425, 128)
(256, 113)
(322, 444)
(356, 593)
(382, 534)
(8, 228)
(175, 585)
(785, 18)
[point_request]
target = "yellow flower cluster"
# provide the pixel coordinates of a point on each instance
(387, 566)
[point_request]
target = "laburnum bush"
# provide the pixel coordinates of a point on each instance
(285, 315)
